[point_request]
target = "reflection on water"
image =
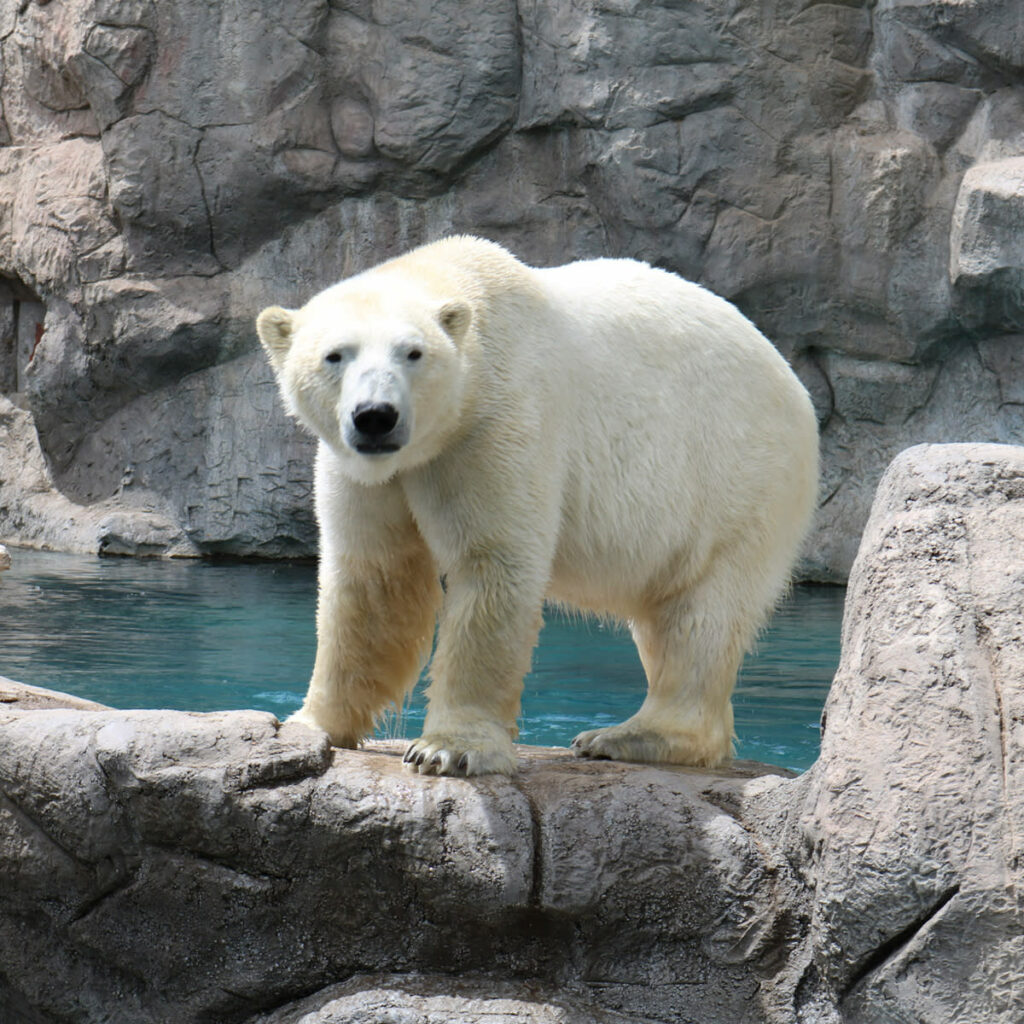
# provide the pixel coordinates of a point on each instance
(204, 637)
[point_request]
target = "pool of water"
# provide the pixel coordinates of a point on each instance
(206, 637)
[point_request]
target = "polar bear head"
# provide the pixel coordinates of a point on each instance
(377, 373)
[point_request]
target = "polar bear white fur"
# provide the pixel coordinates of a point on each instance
(602, 434)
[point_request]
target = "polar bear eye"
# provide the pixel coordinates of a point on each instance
(332, 357)
(413, 354)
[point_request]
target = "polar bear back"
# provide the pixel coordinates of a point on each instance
(680, 427)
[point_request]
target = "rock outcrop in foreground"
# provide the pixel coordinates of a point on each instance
(850, 174)
(159, 866)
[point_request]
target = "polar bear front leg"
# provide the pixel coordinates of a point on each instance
(375, 623)
(379, 595)
(489, 627)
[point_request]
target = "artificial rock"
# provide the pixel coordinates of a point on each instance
(847, 173)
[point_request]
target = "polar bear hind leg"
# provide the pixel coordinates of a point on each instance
(691, 645)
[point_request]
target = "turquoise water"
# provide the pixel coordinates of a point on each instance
(205, 637)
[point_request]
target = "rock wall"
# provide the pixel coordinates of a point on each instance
(160, 866)
(850, 174)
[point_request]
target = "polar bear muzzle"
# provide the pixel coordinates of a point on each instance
(376, 429)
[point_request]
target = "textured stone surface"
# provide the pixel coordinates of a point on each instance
(224, 867)
(849, 174)
(412, 999)
(986, 259)
(164, 860)
(913, 820)
(35, 513)
(27, 698)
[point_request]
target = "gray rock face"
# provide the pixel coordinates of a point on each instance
(849, 174)
(224, 867)
(33, 512)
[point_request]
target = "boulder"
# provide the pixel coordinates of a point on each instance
(28, 698)
(166, 859)
(986, 257)
(911, 822)
(409, 999)
(224, 867)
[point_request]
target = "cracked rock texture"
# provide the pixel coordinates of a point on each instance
(159, 866)
(852, 175)
(913, 820)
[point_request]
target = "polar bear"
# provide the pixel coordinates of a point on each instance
(604, 434)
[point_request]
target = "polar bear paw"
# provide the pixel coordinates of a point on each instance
(485, 751)
(632, 741)
(341, 733)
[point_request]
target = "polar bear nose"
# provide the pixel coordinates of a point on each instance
(374, 419)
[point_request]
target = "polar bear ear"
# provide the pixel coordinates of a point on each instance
(274, 326)
(454, 317)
